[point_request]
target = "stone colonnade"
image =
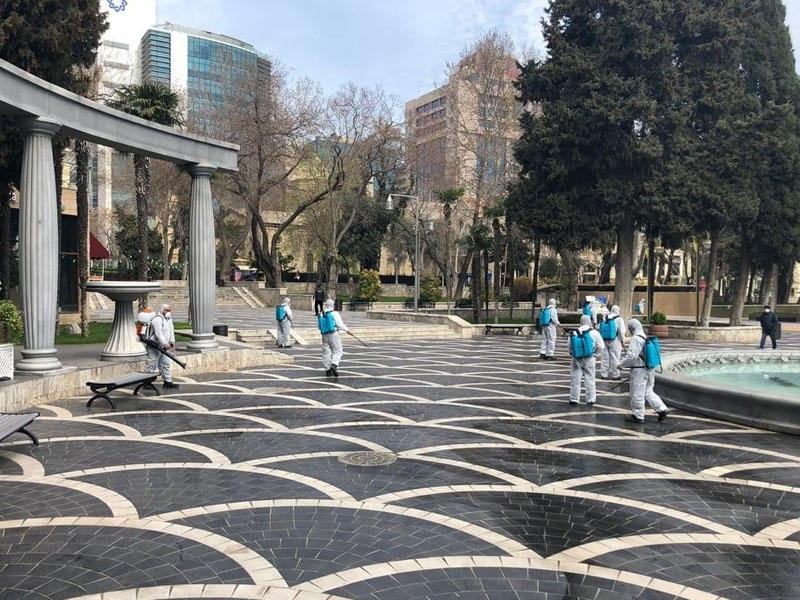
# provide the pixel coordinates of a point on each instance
(39, 252)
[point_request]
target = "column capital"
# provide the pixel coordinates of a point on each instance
(198, 170)
(32, 125)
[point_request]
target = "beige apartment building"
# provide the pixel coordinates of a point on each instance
(461, 135)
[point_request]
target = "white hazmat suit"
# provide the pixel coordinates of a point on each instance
(642, 379)
(548, 348)
(285, 325)
(332, 350)
(612, 349)
(584, 367)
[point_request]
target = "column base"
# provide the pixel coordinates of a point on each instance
(38, 361)
(202, 342)
(121, 357)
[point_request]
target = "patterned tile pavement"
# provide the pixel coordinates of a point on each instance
(238, 485)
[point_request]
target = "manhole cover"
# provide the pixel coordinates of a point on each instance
(368, 459)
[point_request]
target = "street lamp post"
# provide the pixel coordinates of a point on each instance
(389, 205)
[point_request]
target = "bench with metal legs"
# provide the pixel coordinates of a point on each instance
(101, 389)
(17, 422)
(519, 328)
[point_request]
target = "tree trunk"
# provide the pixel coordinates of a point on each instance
(711, 279)
(751, 281)
(651, 277)
(771, 287)
(570, 275)
(537, 252)
(141, 166)
(785, 279)
(605, 268)
(476, 285)
(497, 233)
(5, 241)
(486, 283)
(740, 287)
(462, 273)
(82, 202)
(623, 287)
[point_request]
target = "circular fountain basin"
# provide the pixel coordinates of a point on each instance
(759, 388)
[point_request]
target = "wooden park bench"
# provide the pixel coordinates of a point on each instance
(16, 422)
(101, 389)
(519, 328)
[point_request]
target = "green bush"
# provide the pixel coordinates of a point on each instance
(430, 289)
(464, 303)
(369, 286)
(11, 328)
(658, 318)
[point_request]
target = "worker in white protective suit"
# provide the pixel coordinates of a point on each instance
(589, 344)
(330, 324)
(284, 317)
(642, 379)
(612, 330)
(162, 331)
(548, 348)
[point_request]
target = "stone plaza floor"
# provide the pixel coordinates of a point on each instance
(441, 469)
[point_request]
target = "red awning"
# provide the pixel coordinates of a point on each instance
(96, 249)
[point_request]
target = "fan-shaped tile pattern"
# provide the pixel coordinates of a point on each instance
(74, 561)
(734, 572)
(308, 542)
(29, 500)
(155, 491)
(548, 523)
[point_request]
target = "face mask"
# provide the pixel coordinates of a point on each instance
(168, 315)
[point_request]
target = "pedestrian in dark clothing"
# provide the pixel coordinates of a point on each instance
(319, 299)
(769, 325)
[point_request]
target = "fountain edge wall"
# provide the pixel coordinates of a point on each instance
(774, 412)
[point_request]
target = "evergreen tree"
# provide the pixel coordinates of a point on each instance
(593, 135)
(56, 41)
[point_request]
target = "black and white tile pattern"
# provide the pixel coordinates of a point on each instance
(234, 487)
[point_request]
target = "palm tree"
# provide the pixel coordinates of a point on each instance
(153, 101)
(449, 198)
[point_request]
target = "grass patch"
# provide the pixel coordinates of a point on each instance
(98, 334)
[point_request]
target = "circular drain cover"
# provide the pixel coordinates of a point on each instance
(368, 459)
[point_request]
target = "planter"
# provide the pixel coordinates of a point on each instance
(660, 331)
(7, 361)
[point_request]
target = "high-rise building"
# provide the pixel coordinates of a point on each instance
(199, 65)
(203, 67)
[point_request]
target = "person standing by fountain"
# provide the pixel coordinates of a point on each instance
(642, 379)
(769, 327)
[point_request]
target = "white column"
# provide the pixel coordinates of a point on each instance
(38, 247)
(201, 258)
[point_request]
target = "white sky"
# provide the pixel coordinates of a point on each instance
(402, 45)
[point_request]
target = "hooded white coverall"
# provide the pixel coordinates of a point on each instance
(332, 350)
(612, 349)
(162, 331)
(285, 326)
(548, 347)
(642, 378)
(584, 367)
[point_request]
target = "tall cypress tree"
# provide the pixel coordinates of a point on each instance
(592, 146)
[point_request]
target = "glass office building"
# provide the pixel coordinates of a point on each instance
(208, 68)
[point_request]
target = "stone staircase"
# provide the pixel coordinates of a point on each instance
(378, 333)
(249, 298)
